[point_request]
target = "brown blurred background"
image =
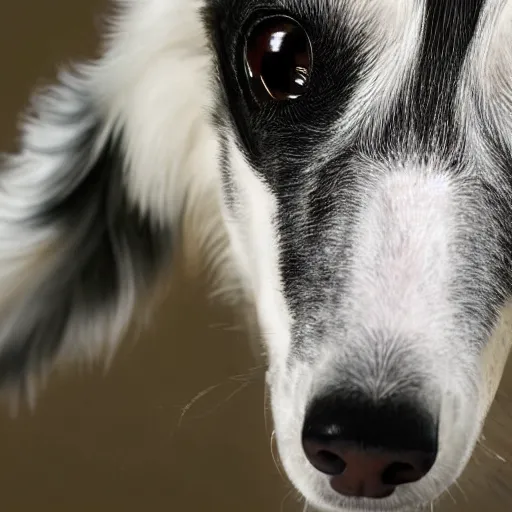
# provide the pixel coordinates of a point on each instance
(114, 441)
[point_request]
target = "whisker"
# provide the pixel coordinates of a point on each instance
(245, 378)
(226, 400)
(451, 496)
(461, 490)
(197, 397)
(274, 457)
(489, 451)
(286, 496)
(265, 408)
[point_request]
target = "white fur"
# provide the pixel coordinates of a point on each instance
(394, 30)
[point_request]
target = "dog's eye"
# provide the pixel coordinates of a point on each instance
(278, 58)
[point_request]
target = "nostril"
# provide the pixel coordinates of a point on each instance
(332, 463)
(323, 458)
(399, 473)
(413, 468)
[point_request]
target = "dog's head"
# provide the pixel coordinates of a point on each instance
(357, 155)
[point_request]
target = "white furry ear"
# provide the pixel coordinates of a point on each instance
(75, 251)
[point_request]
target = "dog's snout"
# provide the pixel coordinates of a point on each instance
(369, 449)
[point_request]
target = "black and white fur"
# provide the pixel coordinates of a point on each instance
(370, 221)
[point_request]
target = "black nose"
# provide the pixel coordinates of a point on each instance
(369, 448)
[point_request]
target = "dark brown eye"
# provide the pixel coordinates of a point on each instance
(278, 59)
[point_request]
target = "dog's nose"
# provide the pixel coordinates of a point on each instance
(369, 449)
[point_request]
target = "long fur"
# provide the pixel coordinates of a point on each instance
(92, 205)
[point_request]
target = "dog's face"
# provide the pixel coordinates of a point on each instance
(357, 154)
(367, 163)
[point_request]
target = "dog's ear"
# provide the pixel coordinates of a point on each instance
(76, 252)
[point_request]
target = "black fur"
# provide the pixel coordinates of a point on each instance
(278, 138)
(106, 245)
(316, 212)
(423, 119)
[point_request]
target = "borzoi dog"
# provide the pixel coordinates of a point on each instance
(353, 161)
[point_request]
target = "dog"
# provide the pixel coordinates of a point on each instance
(348, 166)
